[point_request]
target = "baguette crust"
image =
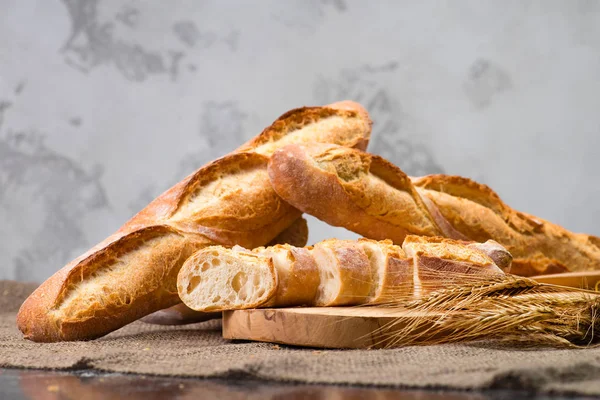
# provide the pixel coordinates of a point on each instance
(55, 311)
(368, 195)
(348, 121)
(229, 201)
(538, 246)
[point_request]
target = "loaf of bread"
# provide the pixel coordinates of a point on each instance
(331, 273)
(180, 314)
(228, 201)
(369, 195)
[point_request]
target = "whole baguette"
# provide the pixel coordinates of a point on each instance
(180, 314)
(332, 272)
(369, 195)
(228, 201)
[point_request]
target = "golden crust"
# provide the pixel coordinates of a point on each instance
(445, 248)
(349, 188)
(458, 186)
(537, 246)
(300, 117)
(53, 312)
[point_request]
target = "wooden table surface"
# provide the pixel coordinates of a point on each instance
(47, 385)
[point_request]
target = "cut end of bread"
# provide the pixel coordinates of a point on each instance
(377, 259)
(217, 279)
(329, 275)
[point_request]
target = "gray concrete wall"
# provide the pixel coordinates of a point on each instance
(104, 104)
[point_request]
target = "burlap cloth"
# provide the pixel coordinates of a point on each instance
(200, 351)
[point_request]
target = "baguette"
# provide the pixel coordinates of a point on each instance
(332, 272)
(370, 196)
(229, 201)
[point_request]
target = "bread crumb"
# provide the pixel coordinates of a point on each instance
(276, 347)
(53, 388)
(146, 348)
(181, 386)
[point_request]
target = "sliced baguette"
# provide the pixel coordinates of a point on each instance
(332, 272)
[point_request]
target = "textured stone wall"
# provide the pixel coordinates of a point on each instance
(106, 103)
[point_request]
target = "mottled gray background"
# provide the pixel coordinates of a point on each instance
(104, 104)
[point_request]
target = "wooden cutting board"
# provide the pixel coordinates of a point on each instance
(331, 327)
(347, 327)
(589, 280)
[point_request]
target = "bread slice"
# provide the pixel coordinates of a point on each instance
(344, 271)
(391, 271)
(222, 279)
(227, 202)
(297, 275)
(438, 262)
(501, 257)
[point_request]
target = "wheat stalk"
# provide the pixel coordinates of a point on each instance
(500, 307)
